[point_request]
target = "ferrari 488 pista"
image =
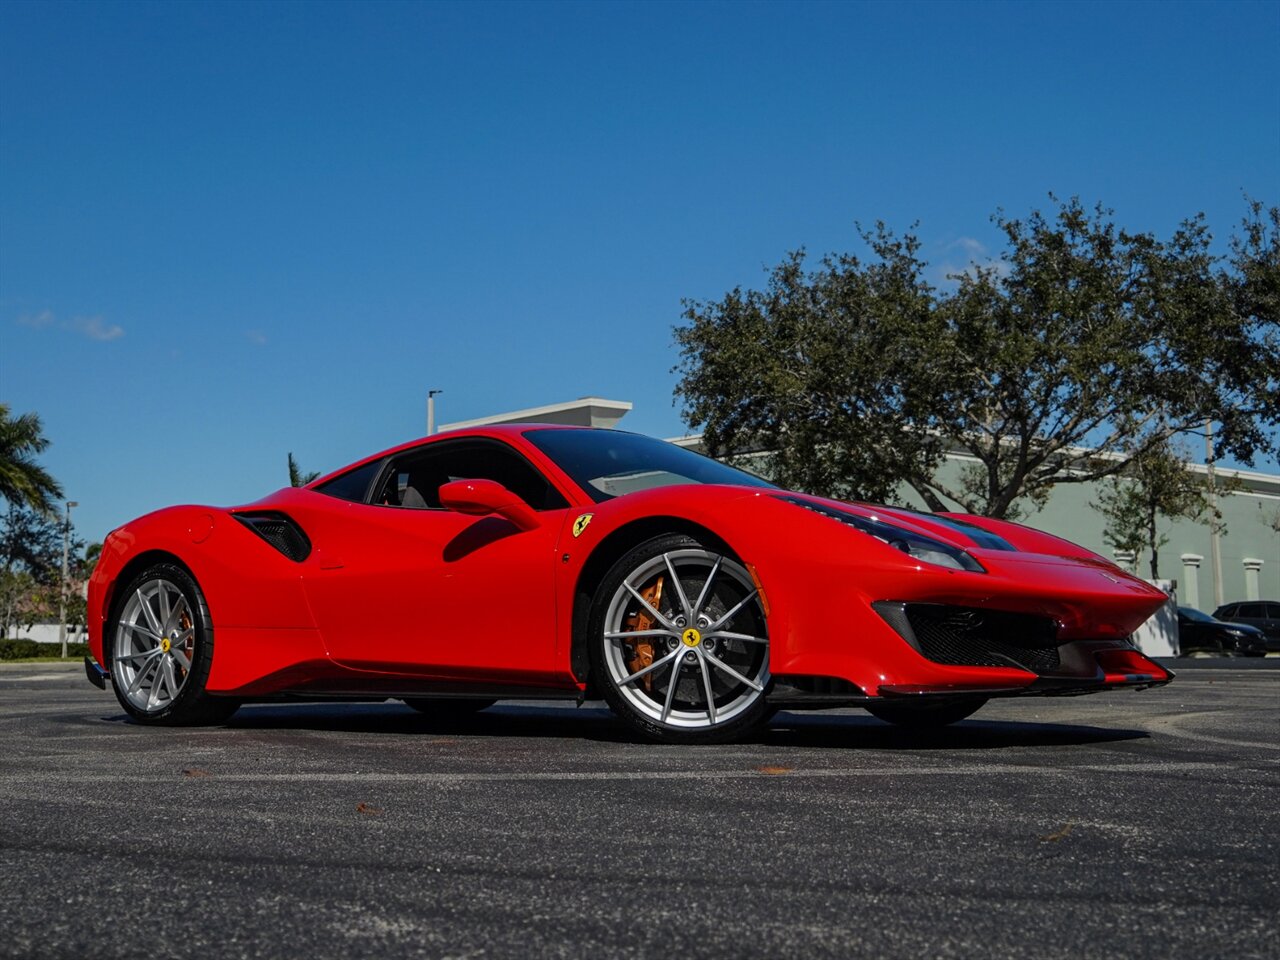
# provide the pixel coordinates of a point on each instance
(559, 562)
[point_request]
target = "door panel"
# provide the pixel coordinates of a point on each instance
(434, 593)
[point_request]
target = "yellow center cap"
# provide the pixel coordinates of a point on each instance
(691, 637)
(164, 644)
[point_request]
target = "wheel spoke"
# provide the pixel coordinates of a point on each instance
(141, 653)
(140, 629)
(650, 607)
(626, 634)
(730, 635)
(721, 665)
(184, 637)
(136, 684)
(706, 587)
(147, 612)
(732, 613)
(170, 679)
(706, 685)
(672, 683)
(684, 600)
(157, 684)
(166, 612)
(183, 660)
(650, 668)
(175, 614)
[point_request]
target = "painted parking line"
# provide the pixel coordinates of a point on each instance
(24, 677)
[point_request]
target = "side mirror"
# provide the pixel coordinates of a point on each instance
(479, 498)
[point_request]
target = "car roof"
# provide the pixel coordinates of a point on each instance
(510, 432)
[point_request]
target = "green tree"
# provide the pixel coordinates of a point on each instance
(30, 566)
(296, 477)
(818, 368)
(22, 480)
(1083, 347)
(80, 569)
(1156, 485)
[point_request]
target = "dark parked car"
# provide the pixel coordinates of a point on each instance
(1263, 614)
(1200, 633)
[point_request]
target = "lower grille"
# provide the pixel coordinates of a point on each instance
(971, 636)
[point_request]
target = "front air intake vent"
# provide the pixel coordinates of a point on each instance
(280, 531)
(975, 637)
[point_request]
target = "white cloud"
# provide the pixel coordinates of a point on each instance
(95, 329)
(37, 321)
(963, 255)
(256, 337)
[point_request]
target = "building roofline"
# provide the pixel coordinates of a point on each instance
(591, 408)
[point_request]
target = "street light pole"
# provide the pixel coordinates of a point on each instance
(62, 594)
(431, 411)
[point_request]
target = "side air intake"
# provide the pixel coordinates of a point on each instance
(280, 531)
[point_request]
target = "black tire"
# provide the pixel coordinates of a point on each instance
(652, 708)
(130, 664)
(445, 708)
(927, 714)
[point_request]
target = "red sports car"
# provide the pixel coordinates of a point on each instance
(562, 562)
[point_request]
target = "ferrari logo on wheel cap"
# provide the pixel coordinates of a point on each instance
(691, 637)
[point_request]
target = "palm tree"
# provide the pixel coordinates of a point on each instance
(23, 482)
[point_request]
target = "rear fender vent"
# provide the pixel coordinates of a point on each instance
(280, 531)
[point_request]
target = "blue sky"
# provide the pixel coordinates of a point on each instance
(228, 231)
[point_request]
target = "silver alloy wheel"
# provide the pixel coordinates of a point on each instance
(154, 646)
(708, 638)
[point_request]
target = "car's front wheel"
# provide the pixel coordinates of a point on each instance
(679, 644)
(159, 640)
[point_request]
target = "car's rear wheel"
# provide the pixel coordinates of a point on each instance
(679, 644)
(160, 643)
(927, 714)
(446, 708)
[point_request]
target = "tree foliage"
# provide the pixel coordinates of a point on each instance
(30, 566)
(1083, 347)
(1157, 485)
(296, 477)
(22, 480)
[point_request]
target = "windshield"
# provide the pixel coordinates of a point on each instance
(610, 463)
(1191, 613)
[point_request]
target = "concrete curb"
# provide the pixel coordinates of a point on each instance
(69, 664)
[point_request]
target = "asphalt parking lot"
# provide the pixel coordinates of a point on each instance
(1128, 825)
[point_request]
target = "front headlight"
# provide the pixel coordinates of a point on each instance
(913, 544)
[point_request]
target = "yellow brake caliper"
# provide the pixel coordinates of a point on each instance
(642, 647)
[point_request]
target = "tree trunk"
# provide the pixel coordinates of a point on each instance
(1154, 544)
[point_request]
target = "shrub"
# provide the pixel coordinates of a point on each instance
(24, 649)
(19, 649)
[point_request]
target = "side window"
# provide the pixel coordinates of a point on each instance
(1273, 611)
(352, 485)
(1250, 611)
(415, 478)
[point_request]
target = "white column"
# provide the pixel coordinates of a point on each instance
(1191, 579)
(1252, 567)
